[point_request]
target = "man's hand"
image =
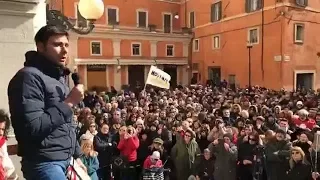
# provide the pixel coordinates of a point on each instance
(226, 146)
(245, 162)
(81, 165)
(315, 175)
(215, 142)
(75, 96)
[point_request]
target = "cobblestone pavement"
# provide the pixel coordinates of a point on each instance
(15, 159)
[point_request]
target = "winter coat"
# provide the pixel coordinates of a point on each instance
(105, 147)
(300, 171)
(205, 169)
(181, 158)
(277, 156)
(128, 148)
(92, 165)
(226, 161)
(41, 120)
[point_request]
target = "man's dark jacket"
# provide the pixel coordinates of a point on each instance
(42, 122)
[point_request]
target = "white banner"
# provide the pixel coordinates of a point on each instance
(159, 78)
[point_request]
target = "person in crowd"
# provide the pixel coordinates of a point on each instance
(89, 157)
(128, 145)
(300, 168)
(226, 155)
(105, 146)
(246, 157)
(7, 169)
(153, 161)
(185, 155)
(277, 156)
(205, 169)
(41, 105)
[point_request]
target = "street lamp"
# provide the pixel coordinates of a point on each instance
(249, 46)
(91, 10)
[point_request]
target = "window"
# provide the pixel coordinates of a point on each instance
(253, 5)
(170, 50)
(113, 16)
(216, 11)
(142, 19)
(196, 45)
(136, 49)
(191, 20)
(167, 23)
(81, 21)
(96, 49)
(216, 42)
(253, 36)
(298, 33)
(302, 3)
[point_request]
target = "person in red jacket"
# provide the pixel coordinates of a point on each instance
(303, 121)
(153, 161)
(128, 145)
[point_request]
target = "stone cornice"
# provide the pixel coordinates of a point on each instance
(19, 7)
(134, 35)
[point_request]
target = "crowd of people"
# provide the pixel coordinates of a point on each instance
(200, 132)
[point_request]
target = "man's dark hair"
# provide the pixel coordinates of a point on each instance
(48, 31)
(4, 117)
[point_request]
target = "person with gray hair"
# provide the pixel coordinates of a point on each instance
(303, 121)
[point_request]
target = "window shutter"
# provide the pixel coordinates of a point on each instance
(260, 4)
(247, 6)
(212, 12)
(220, 10)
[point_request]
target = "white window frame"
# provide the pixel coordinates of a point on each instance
(194, 19)
(76, 14)
(140, 49)
(194, 45)
(295, 32)
(171, 20)
(100, 42)
(258, 35)
(172, 50)
(117, 14)
(147, 17)
(213, 42)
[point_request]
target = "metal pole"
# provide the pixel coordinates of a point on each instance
(249, 74)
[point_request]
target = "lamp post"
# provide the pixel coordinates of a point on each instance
(249, 46)
(91, 10)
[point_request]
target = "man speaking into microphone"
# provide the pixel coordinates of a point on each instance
(41, 108)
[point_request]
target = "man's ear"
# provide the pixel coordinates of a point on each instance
(40, 47)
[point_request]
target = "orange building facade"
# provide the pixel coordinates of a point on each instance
(129, 38)
(210, 40)
(282, 39)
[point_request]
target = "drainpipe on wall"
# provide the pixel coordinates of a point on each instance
(190, 58)
(262, 39)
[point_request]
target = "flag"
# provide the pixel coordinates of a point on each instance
(159, 78)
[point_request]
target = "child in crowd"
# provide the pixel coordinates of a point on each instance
(153, 161)
(89, 157)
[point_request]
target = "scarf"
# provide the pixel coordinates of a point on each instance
(192, 148)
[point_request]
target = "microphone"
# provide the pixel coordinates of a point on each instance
(76, 78)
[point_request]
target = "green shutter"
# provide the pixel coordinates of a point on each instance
(212, 12)
(247, 6)
(260, 4)
(220, 10)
